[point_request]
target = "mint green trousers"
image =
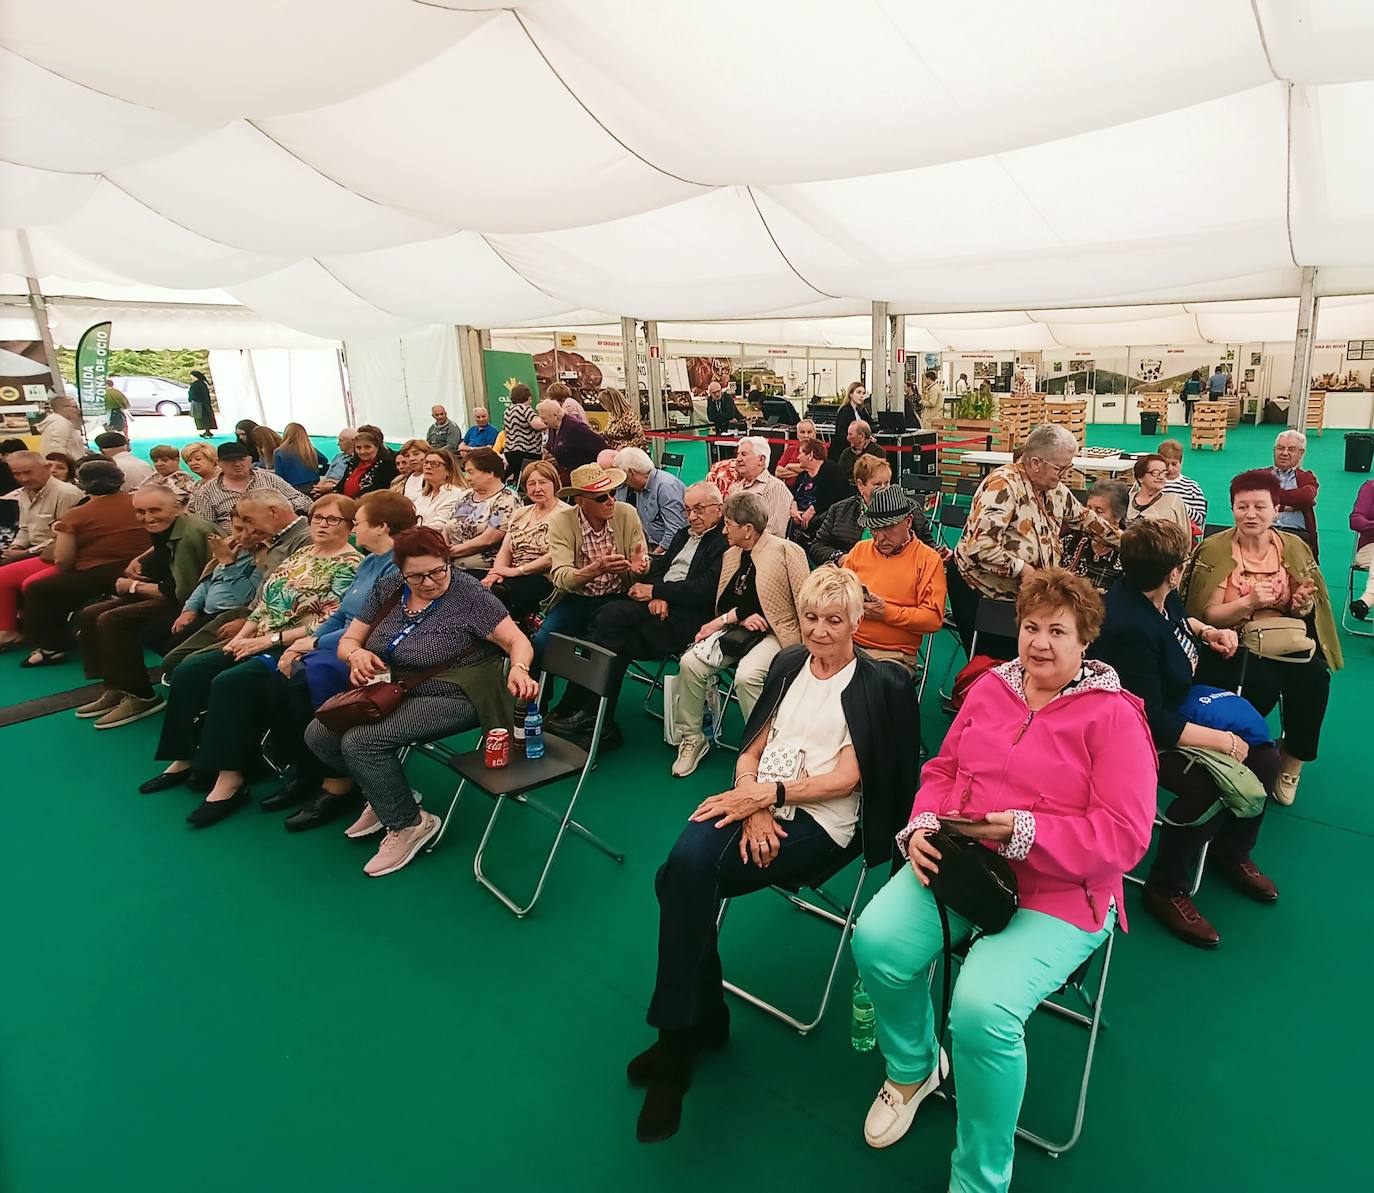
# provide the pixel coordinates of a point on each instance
(1006, 976)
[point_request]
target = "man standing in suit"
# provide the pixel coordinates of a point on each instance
(660, 614)
(656, 495)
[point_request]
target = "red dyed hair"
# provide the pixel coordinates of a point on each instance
(1257, 480)
(423, 540)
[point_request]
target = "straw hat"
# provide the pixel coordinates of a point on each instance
(591, 480)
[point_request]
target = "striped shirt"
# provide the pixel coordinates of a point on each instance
(1193, 498)
(213, 502)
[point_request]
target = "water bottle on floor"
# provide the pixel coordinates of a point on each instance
(534, 732)
(863, 1024)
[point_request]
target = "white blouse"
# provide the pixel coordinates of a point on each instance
(437, 511)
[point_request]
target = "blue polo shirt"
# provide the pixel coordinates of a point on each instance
(480, 436)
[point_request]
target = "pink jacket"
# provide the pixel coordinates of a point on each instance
(1080, 775)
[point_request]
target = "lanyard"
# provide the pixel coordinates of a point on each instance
(409, 624)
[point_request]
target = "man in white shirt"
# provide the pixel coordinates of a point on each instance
(751, 466)
(61, 429)
(113, 446)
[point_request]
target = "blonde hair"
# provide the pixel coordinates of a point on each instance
(197, 449)
(867, 468)
(296, 440)
(828, 587)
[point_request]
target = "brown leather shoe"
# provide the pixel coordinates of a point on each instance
(1248, 879)
(1182, 918)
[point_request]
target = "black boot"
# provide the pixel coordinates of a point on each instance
(661, 1113)
(711, 1035)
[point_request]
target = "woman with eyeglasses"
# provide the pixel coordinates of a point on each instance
(226, 684)
(520, 575)
(441, 488)
(432, 615)
(1151, 501)
(480, 518)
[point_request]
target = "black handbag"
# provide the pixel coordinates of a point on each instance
(736, 642)
(977, 883)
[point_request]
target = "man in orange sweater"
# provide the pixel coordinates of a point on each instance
(903, 579)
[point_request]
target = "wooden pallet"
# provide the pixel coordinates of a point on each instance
(1209, 424)
(1316, 410)
(958, 430)
(1158, 403)
(1072, 416)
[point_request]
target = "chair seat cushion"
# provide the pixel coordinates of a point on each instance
(561, 759)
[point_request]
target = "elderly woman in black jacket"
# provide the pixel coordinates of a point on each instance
(1154, 647)
(822, 728)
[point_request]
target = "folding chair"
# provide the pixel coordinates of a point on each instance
(1162, 820)
(578, 662)
(640, 671)
(950, 515)
(728, 674)
(1349, 622)
(836, 913)
(671, 462)
(1090, 1017)
(992, 617)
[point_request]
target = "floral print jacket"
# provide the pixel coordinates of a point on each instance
(305, 590)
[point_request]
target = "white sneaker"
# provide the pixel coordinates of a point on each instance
(400, 845)
(689, 755)
(889, 1118)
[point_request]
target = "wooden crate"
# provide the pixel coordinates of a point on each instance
(1158, 403)
(1020, 416)
(1209, 424)
(1316, 410)
(958, 431)
(1072, 416)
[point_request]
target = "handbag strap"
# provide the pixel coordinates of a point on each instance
(419, 677)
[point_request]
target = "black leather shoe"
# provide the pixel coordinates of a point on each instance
(165, 782)
(571, 725)
(321, 810)
(611, 738)
(659, 1062)
(661, 1114)
(208, 813)
(288, 795)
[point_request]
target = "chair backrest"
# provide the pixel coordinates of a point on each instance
(671, 460)
(996, 617)
(953, 515)
(1213, 528)
(966, 488)
(920, 482)
(583, 663)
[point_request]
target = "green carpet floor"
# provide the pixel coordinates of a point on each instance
(242, 1009)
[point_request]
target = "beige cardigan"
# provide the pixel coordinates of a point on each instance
(565, 540)
(780, 569)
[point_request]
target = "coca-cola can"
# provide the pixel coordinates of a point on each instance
(497, 750)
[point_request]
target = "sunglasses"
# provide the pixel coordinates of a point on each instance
(600, 499)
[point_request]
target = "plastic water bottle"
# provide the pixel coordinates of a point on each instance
(534, 733)
(708, 724)
(863, 1023)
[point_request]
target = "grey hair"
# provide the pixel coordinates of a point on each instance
(707, 489)
(1291, 433)
(829, 586)
(26, 457)
(757, 444)
(633, 459)
(862, 427)
(746, 509)
(153, 489)
(548, 406)
(1049, 437)
(268, 498)
(1117, 494)
(351, 432)
(100, 478)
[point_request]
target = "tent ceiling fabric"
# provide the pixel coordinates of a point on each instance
(363, 167)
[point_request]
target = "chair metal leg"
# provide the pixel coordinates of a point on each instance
(1197, 873)
(443, 828)
(724, 710)
(565, 822)
(1349, 622)
(846, 926)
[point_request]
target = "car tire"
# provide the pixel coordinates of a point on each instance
(169, 409)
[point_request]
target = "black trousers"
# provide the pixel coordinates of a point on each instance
(233, 698)
(703, 868)
(1305, 688)
(963, 606)
(1231, 838)
(522, 595)
(632, 632)
(289, 712)
(113, 634)
(516, 462)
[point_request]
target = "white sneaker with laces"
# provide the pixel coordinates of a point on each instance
(399, 846)
(689, 755)
(889, 1118)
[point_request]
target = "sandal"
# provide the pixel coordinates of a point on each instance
(44, 658)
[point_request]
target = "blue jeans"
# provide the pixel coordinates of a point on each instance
(570, 616)
(703, 868)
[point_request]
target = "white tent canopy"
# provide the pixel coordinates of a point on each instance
(367, 167)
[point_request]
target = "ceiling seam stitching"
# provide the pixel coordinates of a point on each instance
(500, 256)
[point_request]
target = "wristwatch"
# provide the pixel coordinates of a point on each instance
(276, 638)
(781, 797)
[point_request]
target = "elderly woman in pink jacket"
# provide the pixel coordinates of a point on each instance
(1050, 762)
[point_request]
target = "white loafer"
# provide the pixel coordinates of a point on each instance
(889, 1118)
(1286, 787)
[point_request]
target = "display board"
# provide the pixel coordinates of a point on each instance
(503, 371)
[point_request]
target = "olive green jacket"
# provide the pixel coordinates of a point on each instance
(1212, 562)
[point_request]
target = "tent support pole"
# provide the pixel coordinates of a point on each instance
(629, 349)
(471, 341)
(39, 306)
(1302, 350)
(658, 414)
(879, 384)
(896, 363)
(349, 414)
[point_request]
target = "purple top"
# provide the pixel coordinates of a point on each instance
(1362, 516)
(574, 444)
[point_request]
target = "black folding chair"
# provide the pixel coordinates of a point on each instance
(991, 617)
(578, 662)
(828, 909)
(639, 670)
(671, 462)
(950, 515)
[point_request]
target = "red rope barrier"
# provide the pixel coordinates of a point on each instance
(975, 444)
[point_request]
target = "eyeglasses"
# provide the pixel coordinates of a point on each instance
(701, 509)
(329, 520)
(418, 578)
(1057, 469)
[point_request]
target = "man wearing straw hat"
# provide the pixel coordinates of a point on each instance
(597, 550)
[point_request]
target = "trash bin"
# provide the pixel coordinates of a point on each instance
(1149, 422)
(1359, 451)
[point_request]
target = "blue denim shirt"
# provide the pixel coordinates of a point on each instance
(231, 585)
(1289, 519)
(338, 467)
(370, 571)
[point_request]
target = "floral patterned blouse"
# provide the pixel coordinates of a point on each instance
(305, 590)
(528, 534)
(473, 515)
(183, 484)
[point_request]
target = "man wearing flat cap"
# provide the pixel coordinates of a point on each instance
(903, 579)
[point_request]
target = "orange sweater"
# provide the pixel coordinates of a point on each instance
(912, 583)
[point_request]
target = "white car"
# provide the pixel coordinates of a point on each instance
(154, 395)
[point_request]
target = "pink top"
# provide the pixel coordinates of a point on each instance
(1080, 773)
